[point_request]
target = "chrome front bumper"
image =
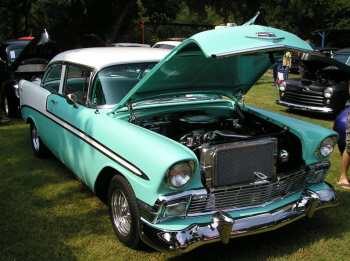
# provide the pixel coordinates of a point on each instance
(304, 107)
(223, 227)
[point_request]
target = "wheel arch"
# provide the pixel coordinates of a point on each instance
(102, 182)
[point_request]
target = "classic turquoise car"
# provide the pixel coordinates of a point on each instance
(165, 140)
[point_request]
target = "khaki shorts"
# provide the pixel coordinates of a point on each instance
(347, 134)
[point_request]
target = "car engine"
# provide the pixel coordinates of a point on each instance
(218, 136)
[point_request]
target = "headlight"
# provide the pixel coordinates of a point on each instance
(179, 175)
(328, 93)
(326, 147)
(282, 86)
(16, 87)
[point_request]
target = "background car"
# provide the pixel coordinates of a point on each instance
(9, 51)
(25, 60)
(129, 45)
(162, 138)
(324, 87)
(169, 43)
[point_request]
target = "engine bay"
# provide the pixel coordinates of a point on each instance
(197, 129)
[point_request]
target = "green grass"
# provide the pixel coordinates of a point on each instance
(47, 214)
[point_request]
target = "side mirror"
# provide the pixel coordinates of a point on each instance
(72, 100)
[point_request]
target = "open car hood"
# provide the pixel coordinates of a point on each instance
(39, 50)
(222, 61)
(313, 63)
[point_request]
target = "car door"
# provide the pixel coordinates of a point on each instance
(71, 119)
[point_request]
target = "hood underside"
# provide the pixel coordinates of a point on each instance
(221, 61)
(314, 63)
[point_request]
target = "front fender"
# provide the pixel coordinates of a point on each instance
(151, 153)
(309, 134)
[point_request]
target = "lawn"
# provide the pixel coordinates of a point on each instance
(47, 214)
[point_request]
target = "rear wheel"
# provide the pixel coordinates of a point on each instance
(40, 150)
(124, 212)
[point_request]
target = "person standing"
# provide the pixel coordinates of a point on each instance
(286, 64)
(275, 67)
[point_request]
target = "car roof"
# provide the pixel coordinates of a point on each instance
(345, 50)
(16, 41)
(100, 57)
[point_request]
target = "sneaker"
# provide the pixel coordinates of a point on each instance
(3, 121)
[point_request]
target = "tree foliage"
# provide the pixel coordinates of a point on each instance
(68, 21)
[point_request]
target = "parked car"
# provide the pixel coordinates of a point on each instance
(25, 59)
(9, 51)
(296, 56)
(129, 45)
(169, 43)
(324, 87)
(327, 51)
(179, 160)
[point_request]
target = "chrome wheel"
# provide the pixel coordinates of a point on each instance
(121, 212)
(35, 138)
(39, 148)
(6, 105)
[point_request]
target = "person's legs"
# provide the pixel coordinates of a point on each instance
(345, 163)
(344, 168)
(286, 73)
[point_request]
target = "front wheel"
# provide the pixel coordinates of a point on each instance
(124, 212)
(10, 105)
(40, 150)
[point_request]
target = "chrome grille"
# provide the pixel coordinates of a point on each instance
(236, 162)
(311, 98)
(248, 195)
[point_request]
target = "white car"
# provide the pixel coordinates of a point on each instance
(166, 44)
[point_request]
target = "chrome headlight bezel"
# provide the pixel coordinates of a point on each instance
(326, 146)
(328, 93)
(179, 174)
(16, 87)
(282, 86)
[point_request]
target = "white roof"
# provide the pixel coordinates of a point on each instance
(104, 56)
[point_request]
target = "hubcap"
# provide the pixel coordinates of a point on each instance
(35, 138)
(6, 105)
(121, 212)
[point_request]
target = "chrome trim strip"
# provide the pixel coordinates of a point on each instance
(304, 107)
(92, 142)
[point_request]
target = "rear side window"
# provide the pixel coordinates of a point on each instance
(52, 78)
(77, 83)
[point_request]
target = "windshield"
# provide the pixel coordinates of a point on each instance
(344, 58)
(12, 55)
(113, 83)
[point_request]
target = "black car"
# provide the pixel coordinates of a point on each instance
(23, 59)
(324, 87)
(296, 56)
